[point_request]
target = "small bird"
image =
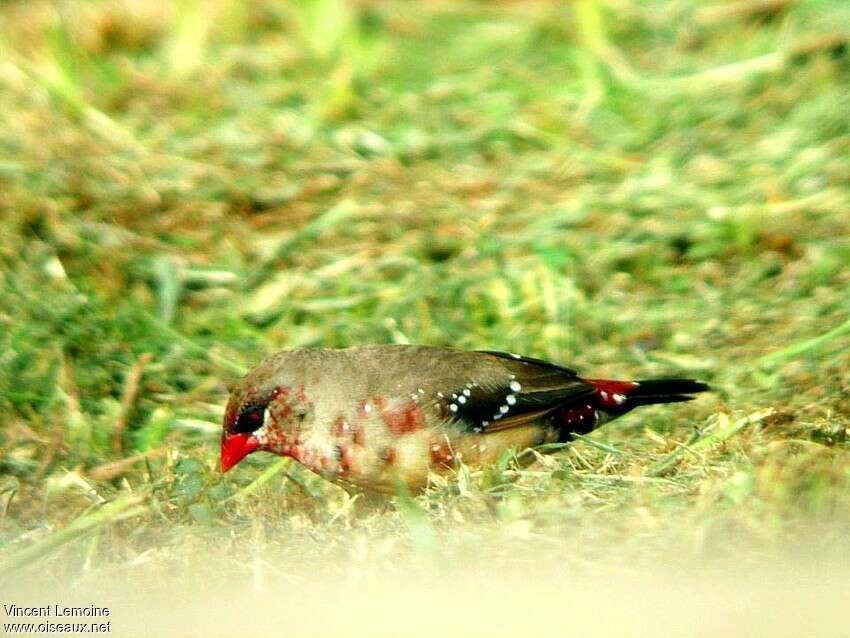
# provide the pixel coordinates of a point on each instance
(374, 415)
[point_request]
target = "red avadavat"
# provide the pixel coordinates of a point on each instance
(377, 414)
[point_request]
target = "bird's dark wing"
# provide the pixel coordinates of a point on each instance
(530, 389)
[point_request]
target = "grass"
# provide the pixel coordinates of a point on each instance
(633, 188)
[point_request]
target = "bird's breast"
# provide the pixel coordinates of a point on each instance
(390, 439)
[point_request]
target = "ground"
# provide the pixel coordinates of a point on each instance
(631, 188)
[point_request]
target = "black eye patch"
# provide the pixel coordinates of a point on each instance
(250, 418)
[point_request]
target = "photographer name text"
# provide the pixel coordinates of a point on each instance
(57, 611)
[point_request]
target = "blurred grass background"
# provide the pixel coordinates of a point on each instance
(632, 188)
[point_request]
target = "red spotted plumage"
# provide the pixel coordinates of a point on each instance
(374, 415)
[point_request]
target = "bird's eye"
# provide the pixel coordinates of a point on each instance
(250, 418)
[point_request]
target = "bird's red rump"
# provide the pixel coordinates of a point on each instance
(610, 393)
(405, 419)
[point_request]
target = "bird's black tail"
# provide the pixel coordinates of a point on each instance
(650, 391)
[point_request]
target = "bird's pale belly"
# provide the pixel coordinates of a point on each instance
(380, 460)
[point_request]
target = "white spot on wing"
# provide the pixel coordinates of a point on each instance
(466, 392)
(461, 399)
(452, 407)
(511, 399)
(503, 409)
(515, 386)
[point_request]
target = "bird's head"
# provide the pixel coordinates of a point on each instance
(262, 415)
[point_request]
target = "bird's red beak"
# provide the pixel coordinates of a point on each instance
(236, 447)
